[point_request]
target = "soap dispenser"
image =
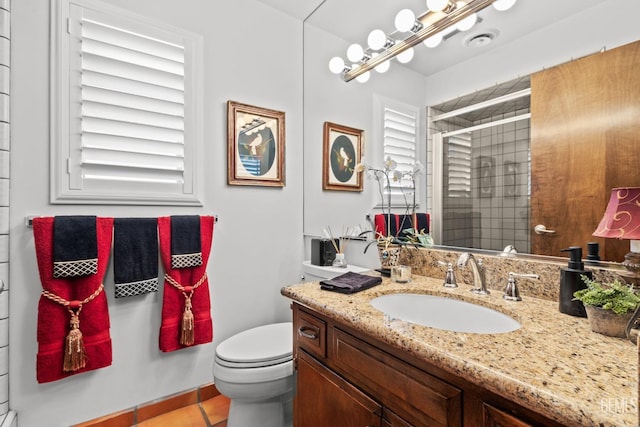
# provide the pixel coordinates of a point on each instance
(571, 281)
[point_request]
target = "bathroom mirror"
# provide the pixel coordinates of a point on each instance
(566, 31)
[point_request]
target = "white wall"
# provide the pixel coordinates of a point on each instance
(253, 54)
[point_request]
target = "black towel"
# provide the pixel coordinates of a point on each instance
(135, 256)
(422, 220)
(349, 283)
(75, 246)
(185, 241)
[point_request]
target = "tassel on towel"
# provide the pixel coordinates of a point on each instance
(75, 355)
(187, 334)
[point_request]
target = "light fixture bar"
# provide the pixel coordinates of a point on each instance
(448, 20)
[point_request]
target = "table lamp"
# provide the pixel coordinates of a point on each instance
(621, 220)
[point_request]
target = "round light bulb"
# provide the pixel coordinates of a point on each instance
(355, 52)
(383, 67)
(405, 19)
(467, 22)
(405, 56)
(364, 77)
(503, 5)
(377, 39)
(336, 65)
(437, 5)
(434, 40)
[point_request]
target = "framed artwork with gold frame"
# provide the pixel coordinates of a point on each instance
(342, 151)
(255, 145)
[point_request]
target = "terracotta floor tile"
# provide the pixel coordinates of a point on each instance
(217, 409)
(189, 416)
(120, 419)
(153, 409)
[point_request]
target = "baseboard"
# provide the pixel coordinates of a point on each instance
(148, 410)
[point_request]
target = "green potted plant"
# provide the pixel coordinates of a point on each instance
(609, 306)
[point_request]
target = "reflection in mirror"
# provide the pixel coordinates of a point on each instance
(484, 169)
(581, 28)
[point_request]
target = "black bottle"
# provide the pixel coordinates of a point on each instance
(593, 253)
(571, 281)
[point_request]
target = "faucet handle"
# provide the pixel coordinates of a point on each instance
(511, 291)
(450, 277)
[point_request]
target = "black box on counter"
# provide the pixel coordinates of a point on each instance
(323, 252)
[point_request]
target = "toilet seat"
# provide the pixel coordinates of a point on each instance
(257, 347)
(258, 354)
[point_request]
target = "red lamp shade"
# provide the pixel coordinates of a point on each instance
(621, 220)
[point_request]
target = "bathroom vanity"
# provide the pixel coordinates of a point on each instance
(358, 367)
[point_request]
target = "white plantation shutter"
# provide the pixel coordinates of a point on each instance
(133, 105)
(458, 153)
(400, 133)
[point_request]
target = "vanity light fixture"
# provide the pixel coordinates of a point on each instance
(621, 220)
(441, 18)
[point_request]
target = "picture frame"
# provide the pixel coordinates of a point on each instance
(342, 151)
(486, 176)
(510, 177)
(255, 145)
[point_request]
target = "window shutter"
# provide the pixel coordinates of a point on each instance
(132, 132)
(459, 165)
(400, 131)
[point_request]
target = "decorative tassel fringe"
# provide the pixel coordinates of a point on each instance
(75, 356)
(187, 337)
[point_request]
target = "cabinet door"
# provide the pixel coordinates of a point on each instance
(415, 395)
(389, 419)
(324, 399)
(494, 417)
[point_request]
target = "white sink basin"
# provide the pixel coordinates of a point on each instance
(445, 313)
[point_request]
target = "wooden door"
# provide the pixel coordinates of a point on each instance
(324, 399)
(585, 135)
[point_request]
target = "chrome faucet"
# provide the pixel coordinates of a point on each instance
(479, 282)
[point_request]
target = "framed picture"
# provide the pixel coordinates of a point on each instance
(486, 176)
(510, 177)
(342, 152)
(255, 153)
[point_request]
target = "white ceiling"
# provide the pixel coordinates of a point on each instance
(352, 20)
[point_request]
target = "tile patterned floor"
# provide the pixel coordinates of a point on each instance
(202, 407)
(209, 413)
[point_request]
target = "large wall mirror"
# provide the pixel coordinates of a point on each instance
(565, 32)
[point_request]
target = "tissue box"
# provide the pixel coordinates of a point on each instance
(322, 251)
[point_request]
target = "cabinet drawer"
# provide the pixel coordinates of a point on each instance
(310, 333)
(416, 396)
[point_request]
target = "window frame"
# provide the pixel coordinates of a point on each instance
(65, 123)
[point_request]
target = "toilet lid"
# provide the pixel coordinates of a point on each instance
(261, 346)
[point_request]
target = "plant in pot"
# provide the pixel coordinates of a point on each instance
(609, 306)
(389, 246)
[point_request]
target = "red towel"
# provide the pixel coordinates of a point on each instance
(173, 303)
(53, 318)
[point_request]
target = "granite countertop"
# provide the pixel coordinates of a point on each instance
(554, 364)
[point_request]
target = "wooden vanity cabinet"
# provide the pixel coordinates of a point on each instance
(346, 379)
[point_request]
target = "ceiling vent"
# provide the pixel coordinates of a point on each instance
(480, 39)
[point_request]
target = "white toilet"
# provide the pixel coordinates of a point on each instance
(254, 369)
